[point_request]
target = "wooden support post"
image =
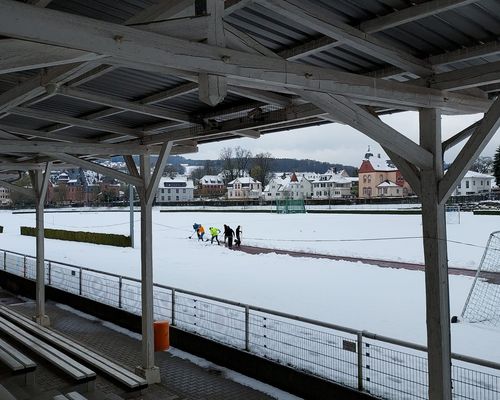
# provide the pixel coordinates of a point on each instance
(148, 369)
(40, 183)
(213, 88)
(147, 194)
(436, 262)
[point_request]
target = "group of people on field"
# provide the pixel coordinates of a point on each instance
(229, 234)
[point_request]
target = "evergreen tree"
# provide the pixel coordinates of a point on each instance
(496, 166)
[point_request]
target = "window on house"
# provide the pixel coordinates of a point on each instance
(183, 190)
(482, 183)
(487, 183)
(467, 184)
(369, 178)
(177, 198)
(176, 190)
(381, 178)
(474, 183)
(168, 190)
(460, 185)
(168, 198)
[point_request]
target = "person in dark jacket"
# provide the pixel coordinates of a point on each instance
(239, 231)
(226, 228)
(229, 234)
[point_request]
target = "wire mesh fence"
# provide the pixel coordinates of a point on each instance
(384, 367)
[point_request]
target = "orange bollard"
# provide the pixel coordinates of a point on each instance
(161, 334)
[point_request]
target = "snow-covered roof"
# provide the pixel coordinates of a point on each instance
(381, 164)
(211, 180)
(473, 174)
(244, 180)
(387, 183)
(180, 180)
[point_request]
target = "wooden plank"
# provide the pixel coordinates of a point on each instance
(98, 361)
(14, 359)
(312, 15)
(349, 113)
(54, 356)
(113, 173)
(20, 55)
(472, 149)
(161, 51)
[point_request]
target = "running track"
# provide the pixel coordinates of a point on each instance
(492, 277)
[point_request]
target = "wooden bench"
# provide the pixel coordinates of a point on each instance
(80, 373)
(119, 373)
(5, 394)
(18, 363)
(70, 396)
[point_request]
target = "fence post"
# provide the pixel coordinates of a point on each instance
(173, 306)
(5, 261)
(247, 328)
(24, 267)
(360, 361)
(80, 282)
(120, 284)
(50, 273)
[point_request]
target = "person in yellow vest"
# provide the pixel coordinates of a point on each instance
(215, 234)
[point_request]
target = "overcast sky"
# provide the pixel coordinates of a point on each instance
(336, 143)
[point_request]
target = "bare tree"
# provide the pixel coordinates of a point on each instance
(227, 162)
(242, 159)
(261, 168)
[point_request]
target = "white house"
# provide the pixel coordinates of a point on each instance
(331, 185)
(178, 188)
(5, 199)
(388, 188)
(288, 187)
(244, 188)
(474, 183)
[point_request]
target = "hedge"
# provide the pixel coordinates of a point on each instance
(486, 212)
(79, 236)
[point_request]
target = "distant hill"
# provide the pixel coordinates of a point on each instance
(278, 164)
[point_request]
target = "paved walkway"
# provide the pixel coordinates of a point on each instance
(181, 379)
(492, 277)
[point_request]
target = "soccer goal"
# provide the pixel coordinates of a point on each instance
(483, 302)
(290, 206)
(453, 214)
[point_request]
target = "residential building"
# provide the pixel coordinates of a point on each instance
(211, 186)
(474, 183)
(379, 177)
(5, 199)
(331, 185)
(244, 188)
(173, 189)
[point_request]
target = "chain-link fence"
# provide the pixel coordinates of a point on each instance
(384, 367)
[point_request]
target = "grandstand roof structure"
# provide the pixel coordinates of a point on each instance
(85, 79)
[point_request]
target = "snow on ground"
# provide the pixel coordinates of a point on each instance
(385, 301)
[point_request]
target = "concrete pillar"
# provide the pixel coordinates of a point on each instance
(436, 261)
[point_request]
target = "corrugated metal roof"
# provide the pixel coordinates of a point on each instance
(438, 34)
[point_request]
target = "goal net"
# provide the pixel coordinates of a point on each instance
(483, 302)
(289, 206)
(453, 214)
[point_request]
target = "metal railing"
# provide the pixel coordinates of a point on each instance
(382, 366)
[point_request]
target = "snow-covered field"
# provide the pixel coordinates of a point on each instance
(384, 301)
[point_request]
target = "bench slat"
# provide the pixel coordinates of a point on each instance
(97, 361)
(76, 370)
(5, 394)
(14, 359)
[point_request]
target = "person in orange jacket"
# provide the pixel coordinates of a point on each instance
(201, 232)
